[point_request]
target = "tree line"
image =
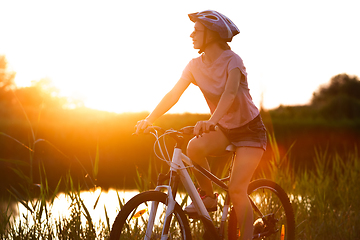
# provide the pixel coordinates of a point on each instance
(71, 140)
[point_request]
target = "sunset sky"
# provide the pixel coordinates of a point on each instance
(123, 56)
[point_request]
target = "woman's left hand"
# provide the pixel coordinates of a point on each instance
(203, 127)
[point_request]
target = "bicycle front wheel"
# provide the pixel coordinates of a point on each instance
(275, 218)
(133, 219)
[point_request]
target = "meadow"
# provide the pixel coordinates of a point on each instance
(47, 149)
(72, 151)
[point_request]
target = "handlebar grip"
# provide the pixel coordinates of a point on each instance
(212, 128)
(190, 129)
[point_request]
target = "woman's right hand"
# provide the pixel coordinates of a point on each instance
(202, 127)
(142, 125)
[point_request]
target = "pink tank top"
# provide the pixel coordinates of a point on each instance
(211, 79)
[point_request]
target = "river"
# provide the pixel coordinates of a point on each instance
(61, 207)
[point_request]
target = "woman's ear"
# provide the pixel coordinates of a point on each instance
(212, 36)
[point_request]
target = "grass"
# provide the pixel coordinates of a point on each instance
(325, 200)
(38, 199)
(39, 222)
(327, 203)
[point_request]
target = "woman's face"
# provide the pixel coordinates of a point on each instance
(198, 35)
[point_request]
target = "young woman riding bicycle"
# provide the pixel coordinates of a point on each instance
(221, 76)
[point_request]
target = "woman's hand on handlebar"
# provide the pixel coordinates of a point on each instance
(142, 125)
(203, 127)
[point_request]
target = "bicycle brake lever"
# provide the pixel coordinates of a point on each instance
(188, 130)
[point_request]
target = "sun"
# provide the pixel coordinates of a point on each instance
(126, 61)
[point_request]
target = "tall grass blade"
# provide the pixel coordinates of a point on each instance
(19, 198)
(121, 204)
(138, 180)
(96, 164)
(107, 218)
(15, 162)
(97, 200)
(26, 116)
(88, 217)
(21, 174)
(56, 191)
(8, 136)
(87, 175)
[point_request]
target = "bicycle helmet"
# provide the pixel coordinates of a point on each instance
(217, 22)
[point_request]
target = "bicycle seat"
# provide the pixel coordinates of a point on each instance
(231, 148)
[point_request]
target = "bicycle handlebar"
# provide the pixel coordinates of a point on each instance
(177, 135)
(188, 130)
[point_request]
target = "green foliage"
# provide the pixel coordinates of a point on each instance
(39, 223)
(6, 81)
(340, 99)
(341, 106)
(340, 85)
(279, 166)
(325, 200)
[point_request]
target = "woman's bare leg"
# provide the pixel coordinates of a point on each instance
(211, 143)
(246, 161)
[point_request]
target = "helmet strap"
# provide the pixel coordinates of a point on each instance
(205, 42)
(203, 46)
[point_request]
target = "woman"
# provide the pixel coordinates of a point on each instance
(221, 76)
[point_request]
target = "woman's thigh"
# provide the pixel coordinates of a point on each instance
(246, 161)
(212, 143)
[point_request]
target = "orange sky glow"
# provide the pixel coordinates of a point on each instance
(123, 56)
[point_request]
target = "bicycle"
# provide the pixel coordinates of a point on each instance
(157, 215)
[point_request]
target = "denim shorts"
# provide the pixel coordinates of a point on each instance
(252, 134)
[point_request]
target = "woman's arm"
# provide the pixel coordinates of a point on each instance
(226, 99)
(228, 96)
(168, 101)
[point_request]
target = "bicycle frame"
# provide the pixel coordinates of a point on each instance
(179, 168)
(278, 222)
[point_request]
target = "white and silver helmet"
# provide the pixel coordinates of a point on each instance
(217, 22)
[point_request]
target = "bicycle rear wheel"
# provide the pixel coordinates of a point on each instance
(132, 220)
(277, 219)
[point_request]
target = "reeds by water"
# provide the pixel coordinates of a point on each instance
(325, 202)
(325, 199)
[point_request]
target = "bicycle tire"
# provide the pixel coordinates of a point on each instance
(126, 227)
(268, 197)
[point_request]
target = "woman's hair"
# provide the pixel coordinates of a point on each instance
(221, 42)
(224, 45)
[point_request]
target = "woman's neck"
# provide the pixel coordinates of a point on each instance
(212, 52)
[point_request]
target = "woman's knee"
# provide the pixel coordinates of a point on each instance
(213, 143)
(196, 149)
(238, 190)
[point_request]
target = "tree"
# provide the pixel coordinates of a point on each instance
(40, 93)
(6, 81)
(339, 99)
(341, 84)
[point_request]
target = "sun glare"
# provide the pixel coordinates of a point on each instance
(125, 61)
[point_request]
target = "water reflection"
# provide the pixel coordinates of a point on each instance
(61, 207)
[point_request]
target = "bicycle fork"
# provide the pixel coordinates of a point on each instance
(168, 215)
(171, 193)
